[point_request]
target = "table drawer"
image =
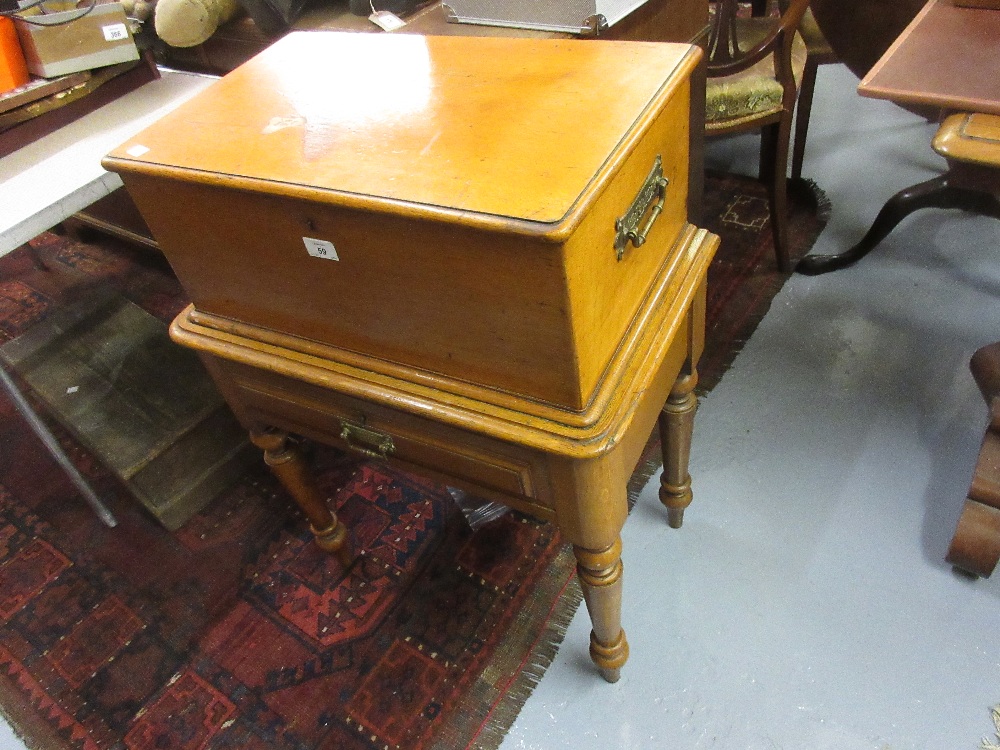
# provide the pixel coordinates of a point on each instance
(491, 468)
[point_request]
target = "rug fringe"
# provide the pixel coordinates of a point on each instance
(527, 680)
(987, 743)
(812, 195)
(22, 716)
(494, 702)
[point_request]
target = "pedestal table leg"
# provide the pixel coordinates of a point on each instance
(286, 462)
(938, 192)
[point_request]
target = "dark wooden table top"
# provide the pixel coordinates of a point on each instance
(946, 58)
(860, 31)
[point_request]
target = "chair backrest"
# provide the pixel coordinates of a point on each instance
(729, 54)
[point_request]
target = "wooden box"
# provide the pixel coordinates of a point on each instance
(447, 207)
(68, 42)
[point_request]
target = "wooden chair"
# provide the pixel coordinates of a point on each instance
(818, 52)
(754, 69)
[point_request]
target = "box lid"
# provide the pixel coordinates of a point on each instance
(518, 128)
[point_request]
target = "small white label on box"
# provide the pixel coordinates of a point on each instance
(115, 32)
(386, 20)
(320, 249)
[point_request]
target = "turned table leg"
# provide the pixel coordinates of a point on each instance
(600, 574)
(676, 424)
(286, 462)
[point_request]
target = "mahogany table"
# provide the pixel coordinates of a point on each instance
(945, 59)
(860, 31)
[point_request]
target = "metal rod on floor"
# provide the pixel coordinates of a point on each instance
(39, 428)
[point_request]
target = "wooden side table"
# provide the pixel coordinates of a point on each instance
(436, 266)
(574, 476)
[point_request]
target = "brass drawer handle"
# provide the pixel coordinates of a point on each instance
(366, 441)
(627, 226)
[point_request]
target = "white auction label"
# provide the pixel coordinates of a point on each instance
(386, 20)
(115, 32)
(320, 248)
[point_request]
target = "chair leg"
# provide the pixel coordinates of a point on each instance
(802, 116)
(773, 173)
(768, 144)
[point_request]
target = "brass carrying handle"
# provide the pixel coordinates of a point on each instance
(627, 226)
(366, 441)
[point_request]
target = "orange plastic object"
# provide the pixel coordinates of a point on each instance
(13, 71)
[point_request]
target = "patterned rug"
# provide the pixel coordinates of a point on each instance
(235, 631)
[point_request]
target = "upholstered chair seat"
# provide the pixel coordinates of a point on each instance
(750, 94)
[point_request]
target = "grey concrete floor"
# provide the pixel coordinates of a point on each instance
(806, 602)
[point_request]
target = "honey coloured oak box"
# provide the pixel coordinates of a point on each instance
(447, 205)
(469, 257)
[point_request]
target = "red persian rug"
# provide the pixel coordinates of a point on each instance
(235, 631)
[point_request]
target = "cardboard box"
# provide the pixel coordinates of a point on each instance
(13, 72)
(55, 44)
